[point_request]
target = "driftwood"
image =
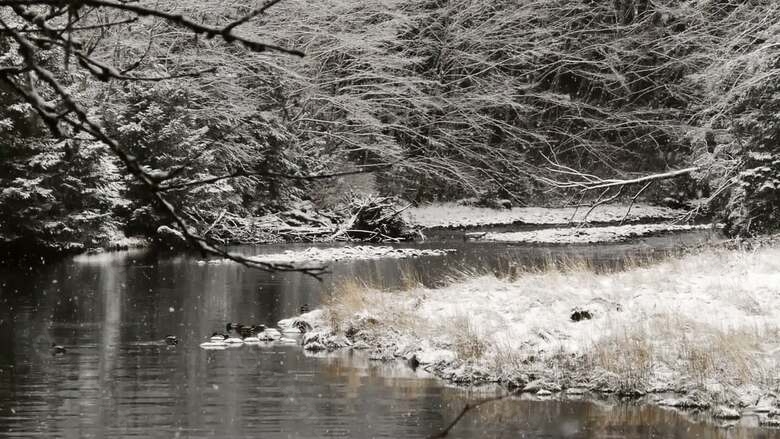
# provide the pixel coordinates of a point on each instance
(373, 218)
(362, 218)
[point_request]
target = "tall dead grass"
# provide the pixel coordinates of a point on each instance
(468, 344)
(647, 342)
(695, 353)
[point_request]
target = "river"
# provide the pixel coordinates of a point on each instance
(117, 379)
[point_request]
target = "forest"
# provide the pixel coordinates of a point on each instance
(390, 218)
(417, 100)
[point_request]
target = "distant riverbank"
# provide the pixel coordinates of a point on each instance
(304, 223)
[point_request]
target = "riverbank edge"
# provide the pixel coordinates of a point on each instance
(366, 331)
(534, 218)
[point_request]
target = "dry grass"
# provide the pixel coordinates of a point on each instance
(697, 353)
(630, 355)
(411, 278)
(349, 297)
(468, 344)
(709, 320)
(393, 308)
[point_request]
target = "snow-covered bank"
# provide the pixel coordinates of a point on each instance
(706, 327)
(453, 215)
(315, 254)
(587, 235)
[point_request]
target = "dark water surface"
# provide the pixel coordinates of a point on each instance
(116, 380)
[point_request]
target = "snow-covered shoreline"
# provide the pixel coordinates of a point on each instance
(704, 328)
(588, 235)
(452, 215)
(341, 253)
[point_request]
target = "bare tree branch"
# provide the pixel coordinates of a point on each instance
(209, 31)
(57, 120)
(243, 173)
(250, 15)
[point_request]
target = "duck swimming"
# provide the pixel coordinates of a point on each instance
(245, 331)
(234, 341)
(217, 337)
(171, 340)
(252, 339)
(214, 345)
(216, 341)
(57, 349)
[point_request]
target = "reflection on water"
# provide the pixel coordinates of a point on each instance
(116, 381)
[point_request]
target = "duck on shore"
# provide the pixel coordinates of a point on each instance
(269, 334)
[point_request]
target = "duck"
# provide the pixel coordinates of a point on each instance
(217, 337)
(245, 331)
(234, 341)
(216, 341)
(171, 340)
(57, 349)
(252, 339)
(214, 345)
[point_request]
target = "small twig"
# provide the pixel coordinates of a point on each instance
(633, 200)
(599, 202)
(219, 218)
(250, 15)
(467, 408)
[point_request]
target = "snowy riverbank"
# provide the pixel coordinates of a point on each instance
(452, 215)
(587, 235)
(343, 253)
(697, 331)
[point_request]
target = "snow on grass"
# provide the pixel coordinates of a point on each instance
(705, 325)
(454, 215)
(587, 235)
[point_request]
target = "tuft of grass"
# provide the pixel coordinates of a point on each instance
(730, 357)
(468, 344)
(349, 296)
(411, 278)
(630, 355)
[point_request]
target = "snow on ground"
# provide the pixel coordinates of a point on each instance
(705, 326)
(454, 215)
(315, 254)
(587, 235)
